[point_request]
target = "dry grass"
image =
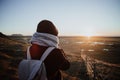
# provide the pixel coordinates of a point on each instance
(11, 52)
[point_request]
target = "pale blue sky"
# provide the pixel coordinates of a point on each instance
(71, 17)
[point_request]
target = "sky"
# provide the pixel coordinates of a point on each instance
(71, 17)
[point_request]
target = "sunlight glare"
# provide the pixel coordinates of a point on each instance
(88, 35)
(88, 32)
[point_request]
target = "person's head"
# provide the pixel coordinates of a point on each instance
(46, 26)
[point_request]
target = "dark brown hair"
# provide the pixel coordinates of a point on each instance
(46, 26)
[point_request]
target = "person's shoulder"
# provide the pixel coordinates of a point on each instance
(57, 50)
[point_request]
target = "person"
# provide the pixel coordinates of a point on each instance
(46, 36)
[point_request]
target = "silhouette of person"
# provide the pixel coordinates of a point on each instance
(46, 36)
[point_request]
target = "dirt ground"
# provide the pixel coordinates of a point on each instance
(12, 52)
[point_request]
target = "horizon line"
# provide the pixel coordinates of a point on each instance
(19, 34)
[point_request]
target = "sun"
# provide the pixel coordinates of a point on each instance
(88, 32)
(88, 35)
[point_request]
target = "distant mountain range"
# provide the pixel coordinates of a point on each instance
(16, 35)
(6, 36)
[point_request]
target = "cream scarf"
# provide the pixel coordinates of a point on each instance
(45, 39)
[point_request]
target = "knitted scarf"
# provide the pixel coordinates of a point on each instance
(45, 39)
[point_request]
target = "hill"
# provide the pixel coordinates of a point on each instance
(11, 52)
(3, 35)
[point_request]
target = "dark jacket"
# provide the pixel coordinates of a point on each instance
(54, 62)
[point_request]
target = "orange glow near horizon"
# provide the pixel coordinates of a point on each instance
(88, 35)
(89, 32)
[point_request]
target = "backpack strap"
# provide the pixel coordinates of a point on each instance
(28, 53)
(46, 53)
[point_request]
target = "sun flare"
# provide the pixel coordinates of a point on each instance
(88, 34)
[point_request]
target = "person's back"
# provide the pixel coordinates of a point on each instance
(46, 36)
